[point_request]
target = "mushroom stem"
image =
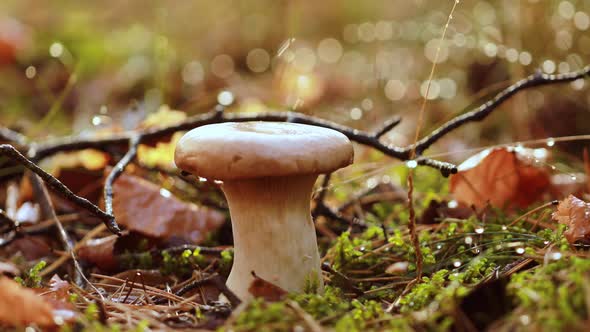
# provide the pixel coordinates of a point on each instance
(274, 235)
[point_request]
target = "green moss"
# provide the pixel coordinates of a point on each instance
(183, 263)
(264, 316)
(330, 303)
(32, 278)
(553, 296)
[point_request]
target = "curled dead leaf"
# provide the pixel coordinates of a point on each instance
(146, 208)
(20, 306)
(575, 213)
(265, 289)
(503, 177)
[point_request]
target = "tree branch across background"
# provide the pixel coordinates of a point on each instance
(35, 152)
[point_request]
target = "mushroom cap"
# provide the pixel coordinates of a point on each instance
(246, 150)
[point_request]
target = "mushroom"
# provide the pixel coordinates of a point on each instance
(268, 171)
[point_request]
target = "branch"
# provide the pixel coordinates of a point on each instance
(48, 211)
(9, 135)
(60, 188)
(117, 171)
(5, 219)
(482, 111)
(214, 280)
(215, 116)
(387, 127)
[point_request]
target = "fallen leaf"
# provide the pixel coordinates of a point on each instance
(100, 253)
(21, 306)
(89, 159)
(32, 247)
(266, 290)
(147, 277)
(57, 296)
(439, 210)
(58, 285)
(504, 177)
(159, 154)
(575, 213)
(146, 208)
(164, 116)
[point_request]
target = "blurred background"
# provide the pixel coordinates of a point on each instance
(71, 67)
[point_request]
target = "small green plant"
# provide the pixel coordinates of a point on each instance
(31, 278)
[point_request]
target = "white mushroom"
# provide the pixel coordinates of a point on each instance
(268, 172)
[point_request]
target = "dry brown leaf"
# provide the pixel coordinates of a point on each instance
(503, 177)
(20, 306)
(100, 252)
(439, 210)
(575, 213)
(32, 247)
(266, 290)
(57, 296)
(146, 208)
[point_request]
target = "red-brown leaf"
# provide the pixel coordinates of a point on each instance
(266, 290)
(20, 306)
(100, 253)
(502, 177)
(144, 207)
(575, 213)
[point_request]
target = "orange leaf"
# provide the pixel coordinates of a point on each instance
(575, 213)
(20, 306)
(503, 177)
(144, 207)
(266, 290)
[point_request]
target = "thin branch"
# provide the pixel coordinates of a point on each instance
(60, 188)
(5, 219)
(369, 139)
(11, 136)
(323, 189)
(387, 127)
(482, 111)
(117, 171)
(42, 195)
(214, 280)
(344, 280)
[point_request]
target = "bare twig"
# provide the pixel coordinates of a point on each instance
(9, 135)
(48, 211)
(387, 127)
(214, 280)
(36, 152)
(117, 171)
(5, 219)
(344, 280)
(368, 139)
(481, 112)
(60, 188)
